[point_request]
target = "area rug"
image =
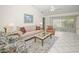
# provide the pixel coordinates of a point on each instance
(36, 47)
(30, 46)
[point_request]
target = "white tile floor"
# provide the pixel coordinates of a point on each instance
(67, 42)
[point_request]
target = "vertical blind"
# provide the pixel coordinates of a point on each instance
(66, 23)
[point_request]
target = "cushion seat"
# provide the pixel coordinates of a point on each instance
(29, 34)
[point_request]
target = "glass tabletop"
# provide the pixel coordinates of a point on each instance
(42, 34)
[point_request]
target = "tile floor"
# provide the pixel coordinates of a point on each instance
(67, 42)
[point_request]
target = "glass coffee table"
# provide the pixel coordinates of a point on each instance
(42, 36)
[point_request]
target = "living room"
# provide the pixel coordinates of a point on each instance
(24, 26)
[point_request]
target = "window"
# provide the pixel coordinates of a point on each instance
(64, 23)
(28, 18)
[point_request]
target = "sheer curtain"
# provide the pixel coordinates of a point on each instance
(65, 23)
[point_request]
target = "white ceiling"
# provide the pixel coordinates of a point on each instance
(59, 9)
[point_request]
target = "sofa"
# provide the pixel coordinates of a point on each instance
(26, 31)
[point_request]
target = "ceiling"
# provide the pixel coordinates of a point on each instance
(59, 9)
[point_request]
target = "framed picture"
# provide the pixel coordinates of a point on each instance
(28, 18)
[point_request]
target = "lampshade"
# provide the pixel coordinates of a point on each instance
(11, 24)
(13, 27)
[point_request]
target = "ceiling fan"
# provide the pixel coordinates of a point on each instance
(52, 9)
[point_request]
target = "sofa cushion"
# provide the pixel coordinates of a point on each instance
(19, 32)
(30, 28)
(31, 33)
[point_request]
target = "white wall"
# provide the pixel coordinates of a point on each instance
(1, 15)
(15, 14)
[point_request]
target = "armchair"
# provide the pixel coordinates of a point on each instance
(50, 29)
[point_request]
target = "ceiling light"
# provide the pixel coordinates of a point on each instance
(52, 8)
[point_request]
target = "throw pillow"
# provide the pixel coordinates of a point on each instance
(37, 27)
(22, 29)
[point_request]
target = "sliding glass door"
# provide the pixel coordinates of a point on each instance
(66, 23)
